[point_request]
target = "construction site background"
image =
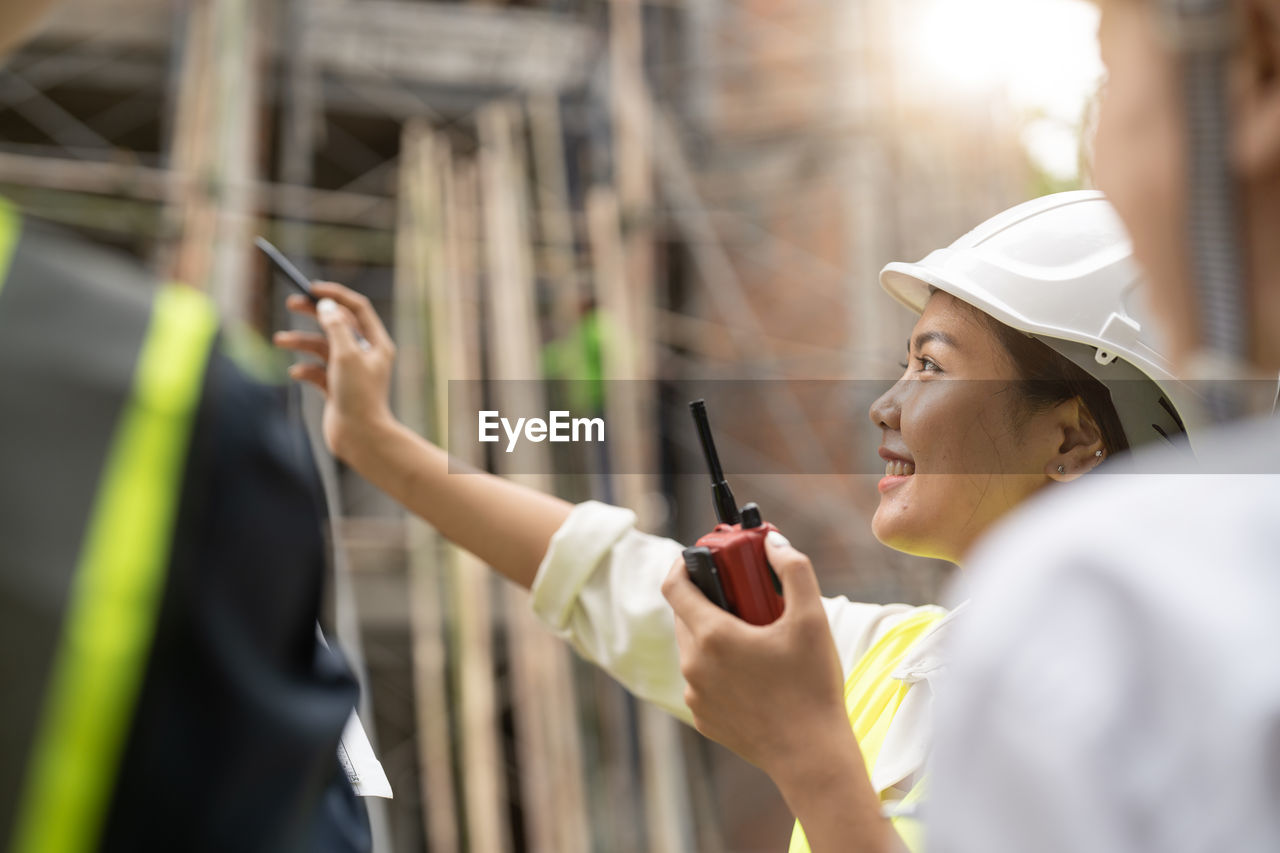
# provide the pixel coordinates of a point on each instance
(701, 189)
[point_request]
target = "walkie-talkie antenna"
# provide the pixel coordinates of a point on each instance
(721, 495)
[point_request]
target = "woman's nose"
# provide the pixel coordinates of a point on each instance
(886, 411)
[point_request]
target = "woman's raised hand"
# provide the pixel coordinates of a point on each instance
(770, 693)
(354, 371)
(505, 524)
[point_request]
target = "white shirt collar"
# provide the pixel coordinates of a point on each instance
(928, 654)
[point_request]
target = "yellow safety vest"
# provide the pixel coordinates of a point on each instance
(872, 697)
(110, 612)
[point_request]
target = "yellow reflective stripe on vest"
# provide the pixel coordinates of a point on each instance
(116, 591)
(871, 693)
(10, 228)
(872, 697)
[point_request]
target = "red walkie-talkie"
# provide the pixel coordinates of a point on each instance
(729, 563)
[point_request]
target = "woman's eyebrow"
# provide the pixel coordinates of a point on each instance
(926, 337)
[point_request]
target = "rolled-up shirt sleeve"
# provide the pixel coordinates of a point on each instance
(599, 587)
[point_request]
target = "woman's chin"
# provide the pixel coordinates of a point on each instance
(890, 529)
(894, 531)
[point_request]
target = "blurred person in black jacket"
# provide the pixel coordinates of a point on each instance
(161, 566)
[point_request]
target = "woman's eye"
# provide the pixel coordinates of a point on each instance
(928, 365)
(903, 365)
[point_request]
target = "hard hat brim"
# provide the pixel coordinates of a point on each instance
(908, 284)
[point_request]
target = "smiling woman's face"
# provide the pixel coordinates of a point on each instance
(960, 450)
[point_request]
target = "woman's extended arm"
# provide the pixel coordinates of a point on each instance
(503, 523)
(600, 587)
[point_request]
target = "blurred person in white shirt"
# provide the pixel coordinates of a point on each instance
(1116, 690)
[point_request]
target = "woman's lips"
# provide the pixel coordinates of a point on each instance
(888, 483)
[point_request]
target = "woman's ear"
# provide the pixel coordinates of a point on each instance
(1255, 90)
(1081, 448)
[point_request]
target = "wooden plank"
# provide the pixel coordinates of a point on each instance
(546, 717)
(143, 219)
(523, 49)
(122, 22)
(129, 180)
(512, 47)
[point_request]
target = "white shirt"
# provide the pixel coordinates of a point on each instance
(1116, 686)
(600, 588)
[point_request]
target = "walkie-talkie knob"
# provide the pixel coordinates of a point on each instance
(751, 516)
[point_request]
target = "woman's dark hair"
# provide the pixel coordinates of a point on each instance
(1047, 379)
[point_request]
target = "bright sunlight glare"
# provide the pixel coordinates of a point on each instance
(1041, 56)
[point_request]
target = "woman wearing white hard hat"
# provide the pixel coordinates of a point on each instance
(1030, 364)
(1035, 306)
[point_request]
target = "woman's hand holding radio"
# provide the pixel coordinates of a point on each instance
(774, 694)
(762, 691)
(355, 377)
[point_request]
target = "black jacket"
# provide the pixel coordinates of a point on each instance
(232, 741)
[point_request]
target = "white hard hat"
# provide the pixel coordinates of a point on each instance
(1060, 268)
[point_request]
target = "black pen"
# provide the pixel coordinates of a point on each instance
(295, 277)
(284, 265)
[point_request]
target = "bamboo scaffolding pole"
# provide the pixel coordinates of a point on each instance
(616, 797)
(553, 211)
(631, 418)
(633, 167)
(618, 711)
(484, 780)
(187, 213)
(616, 811)
(215, 157)
(545, 710)
(622, 233)
(450, 310)
(419, 249)
(299, 209)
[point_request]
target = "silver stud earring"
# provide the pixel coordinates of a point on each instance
(1097, 453)
(1062, 469)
